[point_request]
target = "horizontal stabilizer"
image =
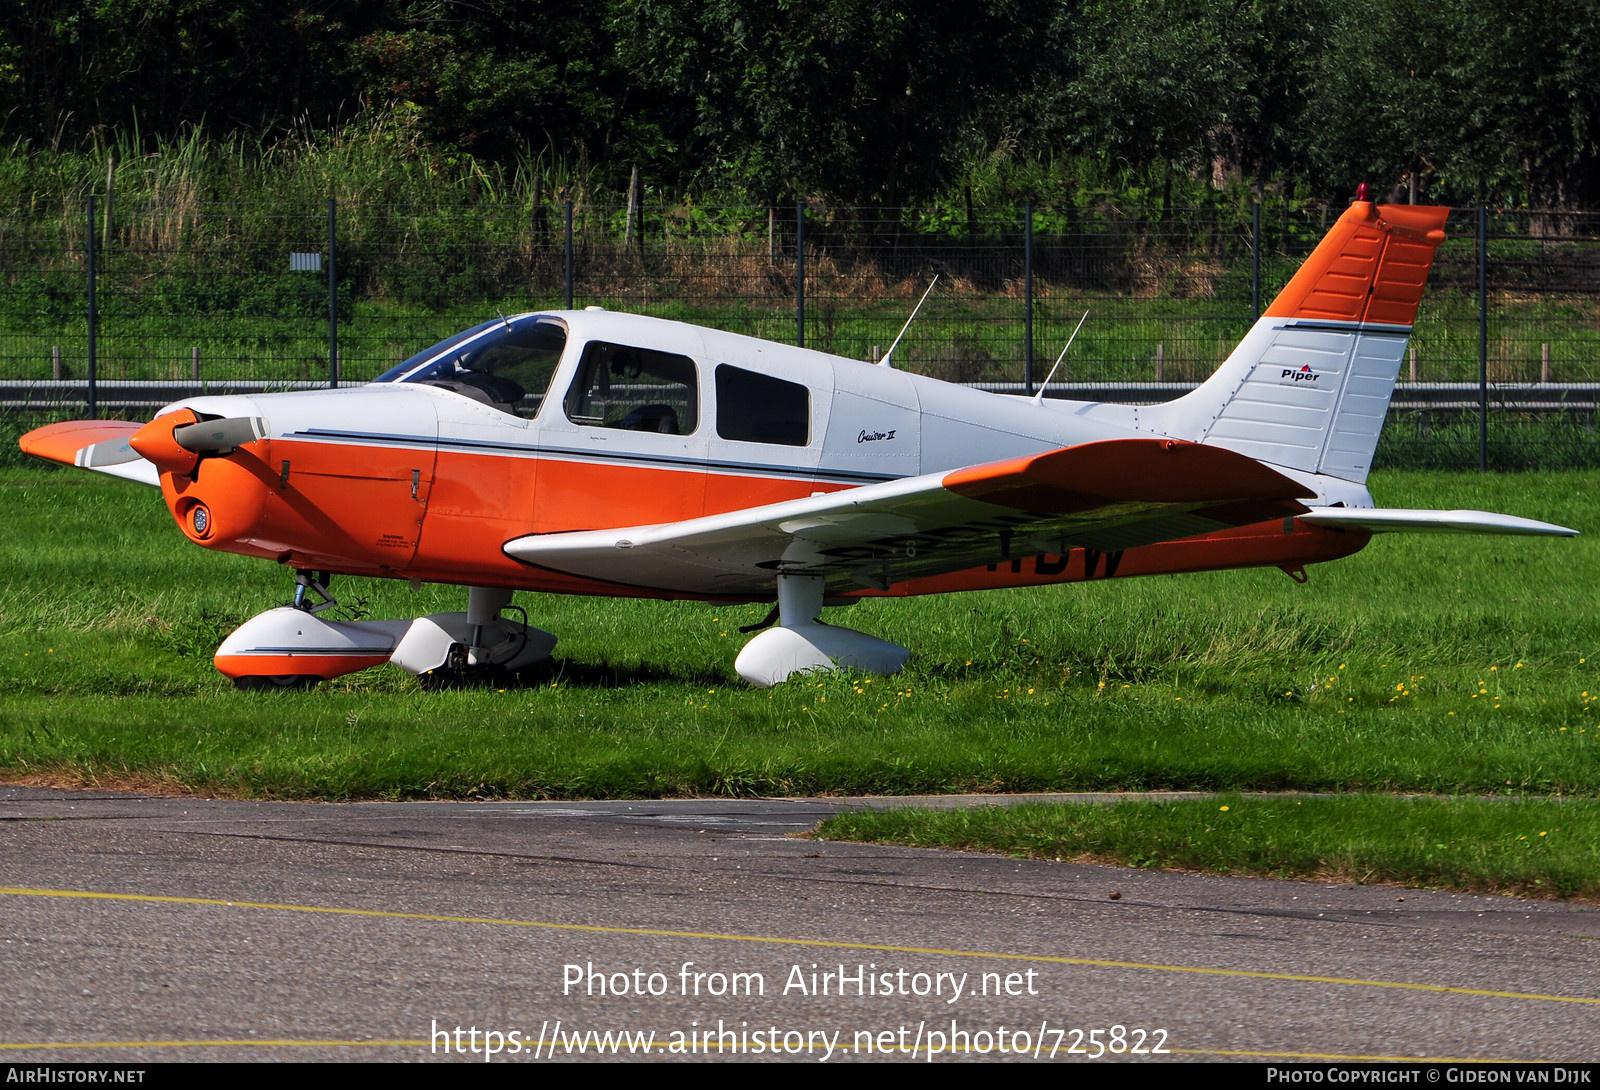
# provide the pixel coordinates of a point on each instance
(1397, 520)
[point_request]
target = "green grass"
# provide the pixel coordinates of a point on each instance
(1367, 678)
(1428, 664)
(1533, 847)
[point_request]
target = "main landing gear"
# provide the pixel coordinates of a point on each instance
(293, 647)
(802, 643)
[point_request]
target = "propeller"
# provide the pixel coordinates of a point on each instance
(175, 442)
(219, 436)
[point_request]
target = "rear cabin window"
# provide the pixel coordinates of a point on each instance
(757, 408)
(634, 389)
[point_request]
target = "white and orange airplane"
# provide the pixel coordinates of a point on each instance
(590, 452)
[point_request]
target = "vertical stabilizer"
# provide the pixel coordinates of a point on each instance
(1308, 388)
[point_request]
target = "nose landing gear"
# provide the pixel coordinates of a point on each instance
(447, 650)
(315, 584)
(294, 647)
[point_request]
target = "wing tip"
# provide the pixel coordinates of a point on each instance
(1402, 520)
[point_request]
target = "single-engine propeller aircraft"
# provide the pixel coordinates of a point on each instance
(590, 452)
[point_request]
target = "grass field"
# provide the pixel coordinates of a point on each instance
(1440, 665)
(1533, 847)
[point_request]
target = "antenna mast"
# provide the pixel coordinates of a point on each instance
(1038, 398)
(884, 362)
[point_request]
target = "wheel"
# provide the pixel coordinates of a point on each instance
(274, 683)
(437, 681)
(472, 677)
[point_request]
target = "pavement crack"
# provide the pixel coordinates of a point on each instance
(443, 849)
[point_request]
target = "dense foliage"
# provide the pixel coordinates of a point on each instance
(863, 101)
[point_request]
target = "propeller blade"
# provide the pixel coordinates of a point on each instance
(107, 452)
(220, 436)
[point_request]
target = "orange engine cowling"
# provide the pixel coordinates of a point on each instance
(219, 501)
(351, 507)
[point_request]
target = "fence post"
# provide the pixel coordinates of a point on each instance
(1544, 362)
(333, 297)
(800, 274)
(55, 362)
(1255, 261)
(1413, 352)
(111, 183)
(1161, 362)
(569, 254)
(194, 362)
(633, 229)
(1483, 339)
(89, 263)
(1027, 291)
(539, 223)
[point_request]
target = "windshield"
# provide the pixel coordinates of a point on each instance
(399, 372)
(507, 364)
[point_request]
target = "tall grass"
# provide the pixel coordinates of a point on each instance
(378, 157)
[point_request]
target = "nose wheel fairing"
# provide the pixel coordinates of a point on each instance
(289, 642)
(295, 646)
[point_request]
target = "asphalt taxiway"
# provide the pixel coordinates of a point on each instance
(142, 928)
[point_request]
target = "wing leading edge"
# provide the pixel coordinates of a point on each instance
(1110, 495)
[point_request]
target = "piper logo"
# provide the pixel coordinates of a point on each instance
(1305, 374)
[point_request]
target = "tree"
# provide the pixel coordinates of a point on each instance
(862, 100)
(501, 75)
(95, 65)
(1490, 102)
(1199, 85)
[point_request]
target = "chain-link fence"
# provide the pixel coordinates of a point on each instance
(154, 299)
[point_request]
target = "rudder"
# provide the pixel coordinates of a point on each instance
(1309, 386)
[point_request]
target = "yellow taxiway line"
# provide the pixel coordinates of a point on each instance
(775, 940)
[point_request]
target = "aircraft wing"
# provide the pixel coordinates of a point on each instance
(1385, 520)
(100, 445)
(1111, 495)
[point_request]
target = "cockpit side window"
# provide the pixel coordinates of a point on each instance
(506, 365)
(634, 389)
(757, 408)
